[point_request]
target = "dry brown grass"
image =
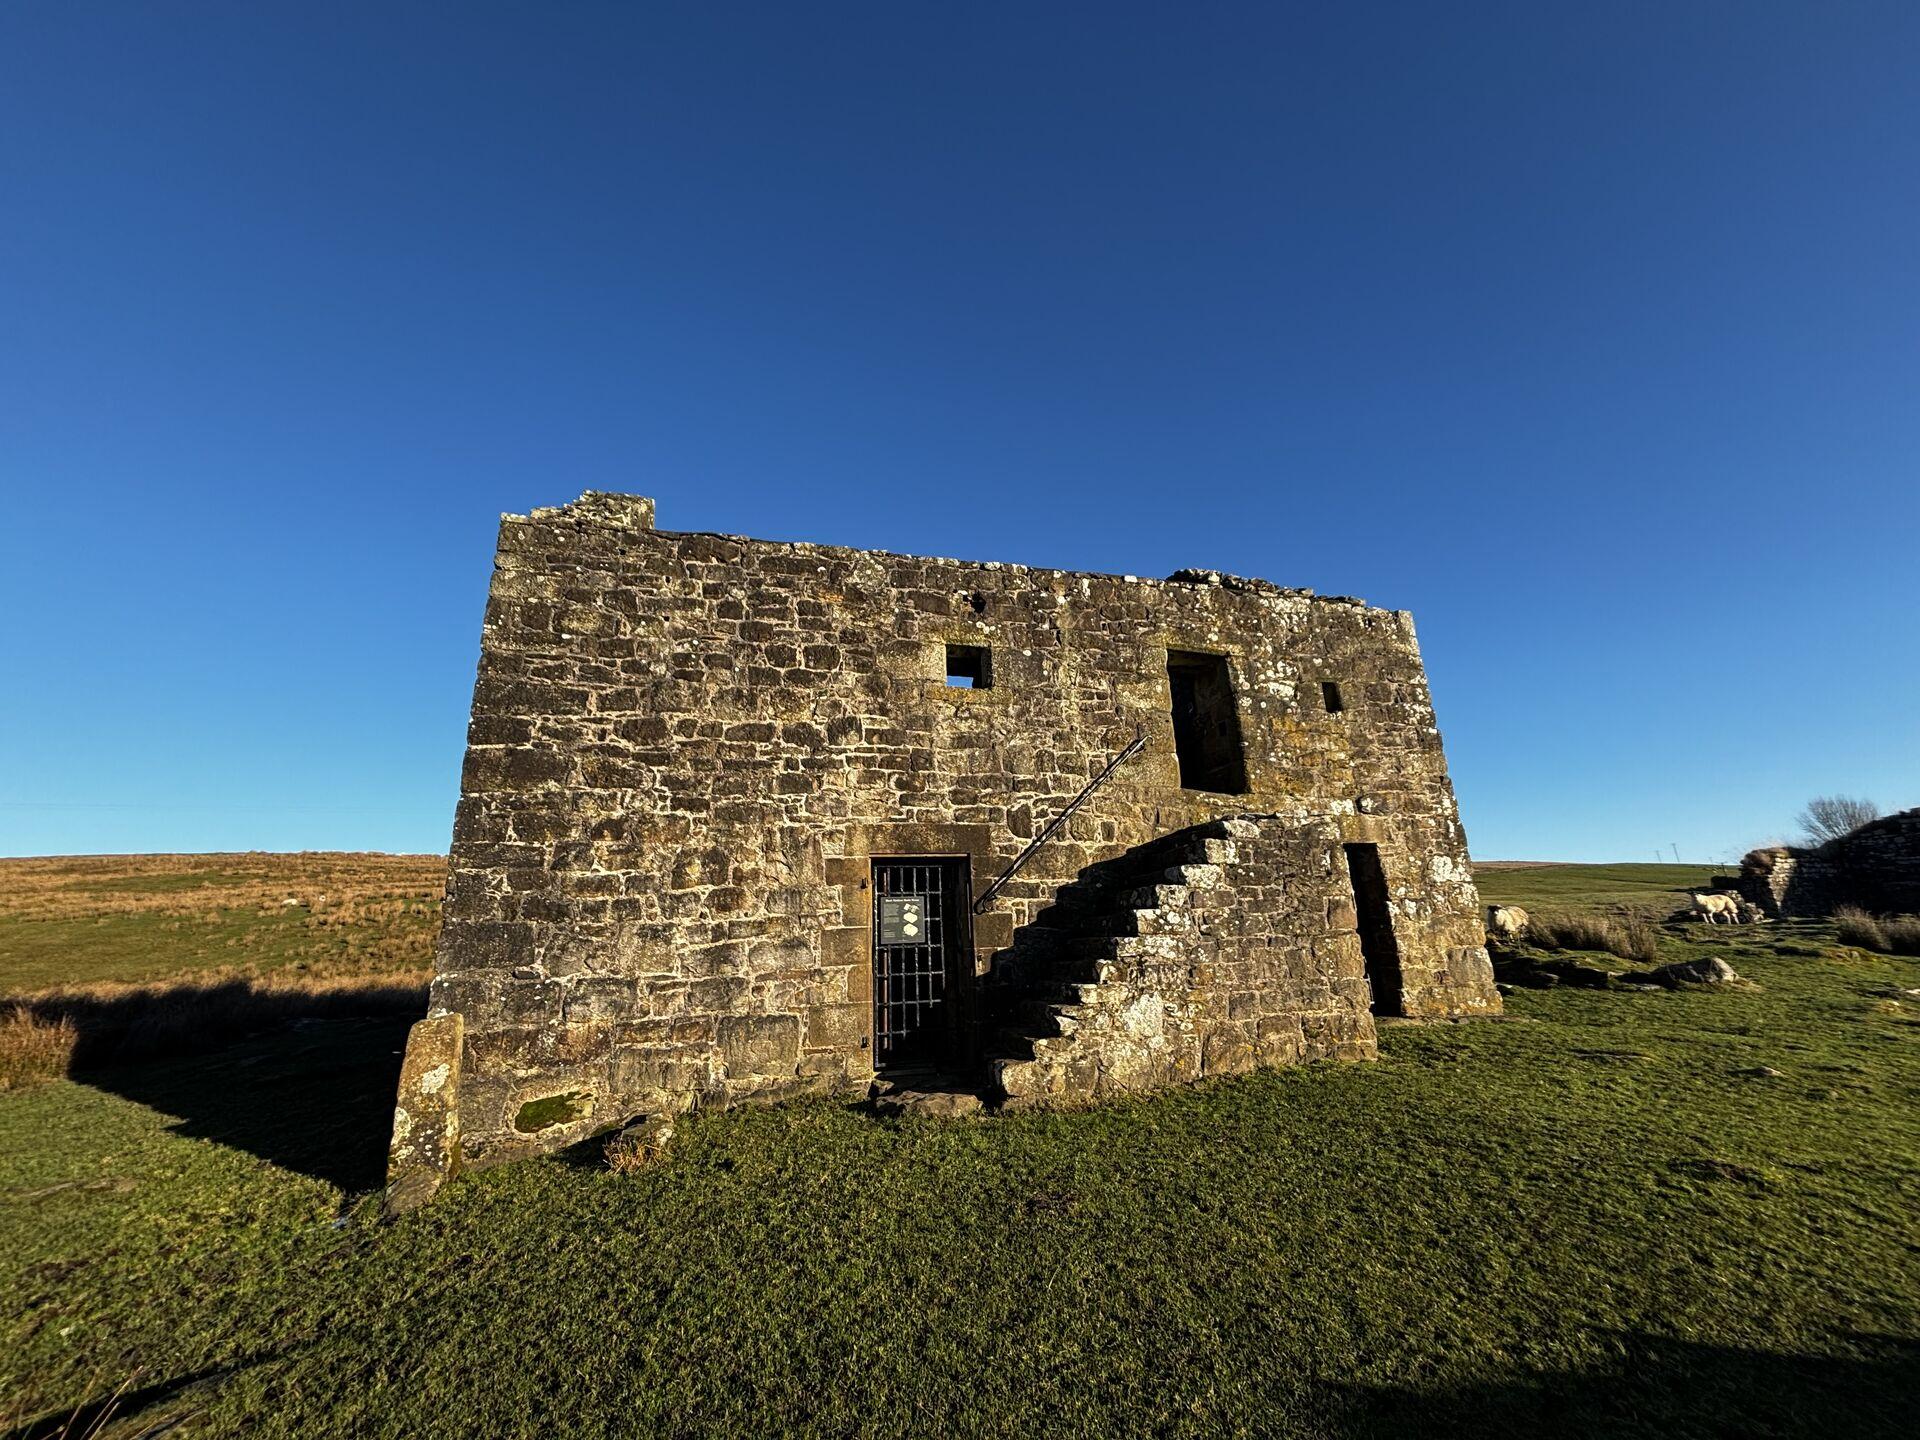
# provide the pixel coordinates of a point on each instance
(1642, 942)
(1630, 939)
(335, 888)
(1888, 934)
(637, 1147)
(1858, 927)
(34, 1049)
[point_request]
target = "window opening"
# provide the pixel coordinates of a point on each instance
(970, 667)
(1206, 723)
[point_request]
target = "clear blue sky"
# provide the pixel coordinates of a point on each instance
(1591, 334)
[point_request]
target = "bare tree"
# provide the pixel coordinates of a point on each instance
(1828, 817)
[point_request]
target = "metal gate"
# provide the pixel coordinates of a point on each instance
(920, 943)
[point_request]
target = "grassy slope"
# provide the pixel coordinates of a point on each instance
(81, 920)
(1587, 1220)
(1654, 890)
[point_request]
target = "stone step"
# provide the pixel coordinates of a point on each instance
(1184, 849)
(1007, 1045)
(1125, 951)
(1097, 968)
(1206, 852)
(1228, 827)
(1095, 891)
(929, 1104)
(1129, 924)
(1158, 897)
(1041, 942)
(1040, 1018)
(1064, 992)
(1196, 877)
(1021, 1083)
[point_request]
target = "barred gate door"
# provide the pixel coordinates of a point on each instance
(921, 947)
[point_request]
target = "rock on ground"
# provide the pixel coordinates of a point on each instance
(934, 1104)
(1708, 970)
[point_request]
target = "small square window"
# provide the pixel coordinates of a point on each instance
(1330, 697)
(970, 667)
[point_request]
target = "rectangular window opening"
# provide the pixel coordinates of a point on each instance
(1373, 913)
(970, 667)
(1206, 723)
(1330, 697)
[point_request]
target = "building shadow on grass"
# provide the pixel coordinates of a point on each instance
(315, 1096)
(151, 1410)
(1668, 1388)
(302, 1074)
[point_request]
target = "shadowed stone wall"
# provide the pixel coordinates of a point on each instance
(1877, 868)
(686, 749)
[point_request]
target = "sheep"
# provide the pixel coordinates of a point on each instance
(1506, 922)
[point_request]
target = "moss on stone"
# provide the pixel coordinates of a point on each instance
(550, 1110)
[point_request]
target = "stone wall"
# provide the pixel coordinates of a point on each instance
(685, 750)
(1876, 868)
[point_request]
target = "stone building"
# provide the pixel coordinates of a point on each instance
(1877, 868)
(742, 820)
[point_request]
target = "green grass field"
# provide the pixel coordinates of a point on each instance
(1653, 891)
(87, 920)
(1594, 1218)
(35, 954)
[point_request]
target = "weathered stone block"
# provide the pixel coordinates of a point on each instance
(837, 1027)
(425, 1151)
(660, 1079)
(760, 1045)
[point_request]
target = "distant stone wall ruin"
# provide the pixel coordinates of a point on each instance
(1877, 868)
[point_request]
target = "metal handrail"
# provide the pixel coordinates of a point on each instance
(1134, 747)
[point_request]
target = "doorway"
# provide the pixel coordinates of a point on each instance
(1373, 908)
(1206, 723)
(922, 953)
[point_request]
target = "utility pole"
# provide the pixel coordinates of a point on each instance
(1676, 854)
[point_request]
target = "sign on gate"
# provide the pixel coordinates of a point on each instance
(902, 920)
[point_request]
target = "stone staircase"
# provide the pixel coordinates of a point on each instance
(1094, 997)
